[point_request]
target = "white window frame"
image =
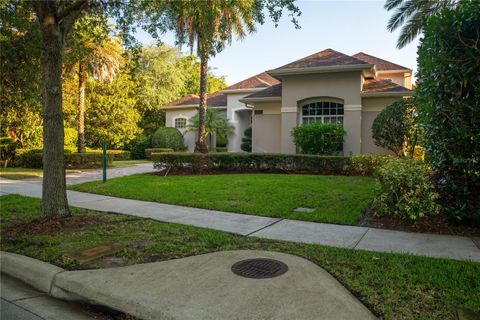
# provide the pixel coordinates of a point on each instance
(320, 112)
(174, 124)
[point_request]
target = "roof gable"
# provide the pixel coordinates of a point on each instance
(216, 99)
(325, 58)
(380, 64)
(261, 80)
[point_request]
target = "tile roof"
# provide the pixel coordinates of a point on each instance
(380, 64)
(273, 91)
(382, 85)
(325, 58)
(215, 99)
(261, 80)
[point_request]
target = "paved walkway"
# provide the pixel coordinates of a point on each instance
(352, 237)
(21, 302)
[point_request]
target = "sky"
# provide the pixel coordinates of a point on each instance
(346, 26)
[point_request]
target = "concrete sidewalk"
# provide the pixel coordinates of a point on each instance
(21, 302)
(352, 237)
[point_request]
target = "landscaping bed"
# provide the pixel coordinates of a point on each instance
(393, 286)
(334, 199)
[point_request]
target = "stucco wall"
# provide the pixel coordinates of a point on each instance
(342, 85)
(371, 107)
(239, 116)
(266, 134)
(403, 79)
(172, 114)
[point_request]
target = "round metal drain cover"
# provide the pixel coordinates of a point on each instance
(259, 268)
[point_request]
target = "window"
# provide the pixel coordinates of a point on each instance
(323, 111)
(180, 123)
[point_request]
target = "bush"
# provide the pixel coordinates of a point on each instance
(247, 140)
(220, 149)
(319, 138)
(253, 161)
(118, 155)
(366, 164)
(33, 159)
(167, 137)
(395, 128)
(7, 148)
(222, 142)
(148, 152)
(405, 190)
(448, 97)
(138, 145)
(70, 138)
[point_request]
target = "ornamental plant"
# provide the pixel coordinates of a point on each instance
(448, 96)
(396, 129)
(319, 138)
(404, 189)
(167, 137)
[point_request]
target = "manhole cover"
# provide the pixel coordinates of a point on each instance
(259, 268)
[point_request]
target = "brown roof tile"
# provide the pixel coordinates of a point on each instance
(261, 80)
(215, 99)
(382, 85)
(325, 58)
(273, 91)
(380, 64)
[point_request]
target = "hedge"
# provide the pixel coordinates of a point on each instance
(149, 151)
(252, 161)
(33, 159)
(361, 164)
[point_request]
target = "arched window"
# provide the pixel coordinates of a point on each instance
(322, 110)
(180, 123)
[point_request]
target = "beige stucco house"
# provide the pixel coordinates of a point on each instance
(327, 86)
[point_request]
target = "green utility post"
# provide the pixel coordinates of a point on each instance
(104, 162)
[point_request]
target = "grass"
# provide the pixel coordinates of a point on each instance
(393, 286)
(336, 199)
(126, 163)
(24, 173)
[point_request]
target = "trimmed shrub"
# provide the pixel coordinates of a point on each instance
(253, 161)
(247, 140)
(118, 155)
(366, 164)
(148, 152)
(220, 149)
(167, 137)
(405, 190)
(395, 128)
(138, 146)
(33, 159)
(319, 138)
(448, 97)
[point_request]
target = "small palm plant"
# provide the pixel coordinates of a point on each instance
(215, 123)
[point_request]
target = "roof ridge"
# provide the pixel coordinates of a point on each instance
(375, 57)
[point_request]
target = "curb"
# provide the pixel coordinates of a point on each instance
(38, 274)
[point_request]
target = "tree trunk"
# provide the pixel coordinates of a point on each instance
(81, 108)
(201, 145)
(54, 194)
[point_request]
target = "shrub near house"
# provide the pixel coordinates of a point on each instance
(319, 138)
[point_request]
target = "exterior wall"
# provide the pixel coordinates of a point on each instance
(266, 133)
(342, 85)
(402, 79)
(371, 108)
(172, 114)
(239, 116)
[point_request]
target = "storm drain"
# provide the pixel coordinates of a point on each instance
(260, 268)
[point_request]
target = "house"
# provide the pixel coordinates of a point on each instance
(327, 86)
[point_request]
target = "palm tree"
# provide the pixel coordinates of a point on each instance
(215, 123)
(211, 24)
(97, 57)
(412, 14)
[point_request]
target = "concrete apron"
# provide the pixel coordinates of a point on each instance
(204, 287)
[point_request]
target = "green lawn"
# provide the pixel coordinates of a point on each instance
(393, 286)
(336, 199)
(24, 173)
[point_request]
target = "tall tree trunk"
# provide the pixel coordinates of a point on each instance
(201, 145)
(81, 108)
(54, 194)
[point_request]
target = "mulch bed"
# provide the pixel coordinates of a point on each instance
(52, 225)
(439, 224)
